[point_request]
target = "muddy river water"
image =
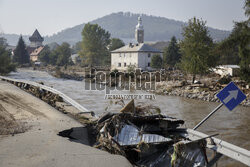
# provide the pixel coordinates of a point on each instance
(233, 127)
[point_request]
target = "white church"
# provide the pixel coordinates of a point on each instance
(138, 55)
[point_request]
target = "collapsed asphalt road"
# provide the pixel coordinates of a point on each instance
(40, 145)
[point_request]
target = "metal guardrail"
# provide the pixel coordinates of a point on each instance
(52, 90)
(222, 147)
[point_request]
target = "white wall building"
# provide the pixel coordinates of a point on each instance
(138, 55)
(224, 70)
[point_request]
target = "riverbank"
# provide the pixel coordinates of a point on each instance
(71, 72)
(173, 84)
(38, 144)
(198, 91)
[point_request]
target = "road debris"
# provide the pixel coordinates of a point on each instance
(147, 138)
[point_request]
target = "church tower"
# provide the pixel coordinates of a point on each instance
(139, 31)
(36, 40)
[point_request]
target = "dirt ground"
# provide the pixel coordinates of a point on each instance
(15, 110)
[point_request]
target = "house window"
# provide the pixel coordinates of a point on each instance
(148, 64)
(124, 54)
(120, 54)
(130, 54)
(125, 64)
(119, 64)
(149, 55)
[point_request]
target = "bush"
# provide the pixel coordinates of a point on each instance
(6, 65)
(131, 68)
(115, 71)
(156, 61)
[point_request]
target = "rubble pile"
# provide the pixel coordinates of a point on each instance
(147, 138)
(56, 101)
(66, 75)
(44, 95)
(200, 91)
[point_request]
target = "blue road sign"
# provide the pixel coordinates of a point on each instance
(231, 96)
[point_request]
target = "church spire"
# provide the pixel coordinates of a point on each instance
(139, 31)
(36, 39)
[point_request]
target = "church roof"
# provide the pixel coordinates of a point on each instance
(141, 47)
(36, 37)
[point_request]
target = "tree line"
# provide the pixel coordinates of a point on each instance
(60, 55)
(6, 64)
(96, 45)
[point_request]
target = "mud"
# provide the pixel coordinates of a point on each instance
(8, 124)
(17, 102)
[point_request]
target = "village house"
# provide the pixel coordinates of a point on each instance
(136, 55)
(34, 55)
(36, 46)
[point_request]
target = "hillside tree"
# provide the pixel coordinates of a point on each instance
(53, 56)
(64, 52)
(196, 48)
(225, 55)
(52, 46)
(247, 9)
(156, 61)
(6, 65)
(21, 55)
(44, 56)
(240, 37)
(172, 54)
(3, 42)
(115, 44)
(76, 48)
(95, 41)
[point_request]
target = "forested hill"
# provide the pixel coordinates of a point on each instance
(122, 25)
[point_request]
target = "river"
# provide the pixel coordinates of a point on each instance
(232, 126)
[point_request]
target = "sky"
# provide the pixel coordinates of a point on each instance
(52, 16)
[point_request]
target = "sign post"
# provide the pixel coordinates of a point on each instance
(230, 96)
